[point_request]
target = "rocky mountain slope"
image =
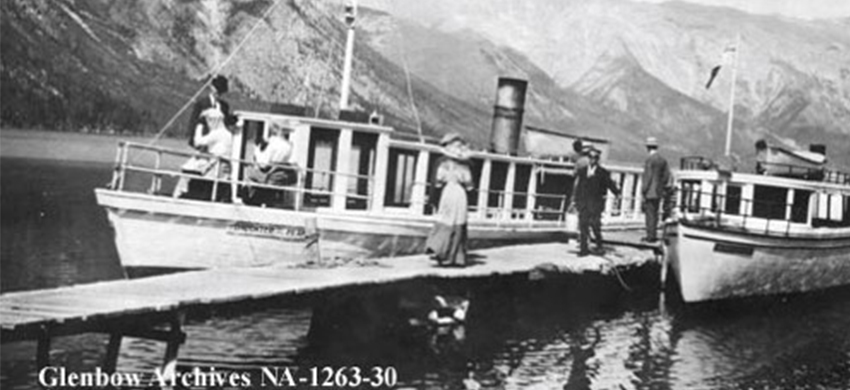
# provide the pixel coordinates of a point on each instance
(129, 66)
(651, 62)
(609, 68)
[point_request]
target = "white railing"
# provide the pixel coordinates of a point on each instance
(128, 164)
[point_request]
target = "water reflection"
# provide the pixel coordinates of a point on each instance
(564, 333)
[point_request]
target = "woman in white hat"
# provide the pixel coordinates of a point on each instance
(448, 238)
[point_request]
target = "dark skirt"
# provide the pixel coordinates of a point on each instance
(448, 244)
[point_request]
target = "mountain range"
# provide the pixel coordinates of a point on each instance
(614, 69)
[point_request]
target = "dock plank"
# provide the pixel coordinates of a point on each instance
(115, 299)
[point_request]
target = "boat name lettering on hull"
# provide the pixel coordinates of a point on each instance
(266, 230)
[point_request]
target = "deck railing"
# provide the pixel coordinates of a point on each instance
(712, 209)
(157, 164)
(820, 174)
(127, 164)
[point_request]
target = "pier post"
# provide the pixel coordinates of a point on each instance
(110, 361)
(175, 338)
(42, 353)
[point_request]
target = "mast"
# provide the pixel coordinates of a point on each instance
(350, 17)
(732, 97)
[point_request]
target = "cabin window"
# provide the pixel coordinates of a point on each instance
(845, 204)
(716, 198)
(733, 200)
(552, 191)
(521, 178)
(362, 163)
(432, 190)
(691, 195)
(800, 207)
(252, 132)
(475, 166)
(321, 160)
(401, 172)
(498, 179)
(769, 202)
(831, 211)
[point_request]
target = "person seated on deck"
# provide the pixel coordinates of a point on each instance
(218, 142)
(273, 166)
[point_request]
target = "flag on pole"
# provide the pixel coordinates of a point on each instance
(726, 59)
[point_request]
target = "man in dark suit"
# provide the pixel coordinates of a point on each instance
(217, 87)
(657, 182)
(591, 185)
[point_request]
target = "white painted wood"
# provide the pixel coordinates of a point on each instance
(343, 168)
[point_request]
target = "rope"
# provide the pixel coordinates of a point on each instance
(215, 70)
(617, 273)
(408, 82)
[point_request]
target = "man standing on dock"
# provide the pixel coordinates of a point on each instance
(657, 181)
(590, 187)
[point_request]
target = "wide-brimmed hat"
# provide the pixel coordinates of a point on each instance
(591, 151)
(651, 141)
(451, 137)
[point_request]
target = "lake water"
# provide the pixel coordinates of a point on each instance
(566, 333)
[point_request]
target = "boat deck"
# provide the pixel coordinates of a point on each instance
(97, 306)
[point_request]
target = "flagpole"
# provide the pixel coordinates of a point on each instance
(732, 97)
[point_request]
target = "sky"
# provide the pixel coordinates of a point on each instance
(805, 9)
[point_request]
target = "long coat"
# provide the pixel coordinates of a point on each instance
(656, 177)
(589, 191)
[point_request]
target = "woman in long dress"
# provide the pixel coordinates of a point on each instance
(448, 238)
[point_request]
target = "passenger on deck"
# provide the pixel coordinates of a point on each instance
(656, 187)
(217, 87)
(447, 240)
(580, 149)
(216, 139)
(591, 185)
(273, 166)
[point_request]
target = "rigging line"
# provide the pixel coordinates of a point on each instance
(215, 70)
(410, 96)
(409, 85)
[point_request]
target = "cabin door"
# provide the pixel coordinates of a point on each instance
(321, 160)
(362, 167)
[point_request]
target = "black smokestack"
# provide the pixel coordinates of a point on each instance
(507, 115)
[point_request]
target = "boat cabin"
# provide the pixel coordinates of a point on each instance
(762, 203)
(345, 166)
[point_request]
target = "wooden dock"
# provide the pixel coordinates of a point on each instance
(138, 307)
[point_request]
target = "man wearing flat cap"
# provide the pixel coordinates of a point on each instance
(591, 185)
(657, 181)
(217, 87)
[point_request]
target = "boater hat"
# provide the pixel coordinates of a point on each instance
(651, 142)
(451, 137)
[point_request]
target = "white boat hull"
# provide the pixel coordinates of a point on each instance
(712, 264)
(156, 232)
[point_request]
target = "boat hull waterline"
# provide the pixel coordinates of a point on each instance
(712, 264)
(154, 232)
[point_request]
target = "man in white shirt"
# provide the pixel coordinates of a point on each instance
(272, 166)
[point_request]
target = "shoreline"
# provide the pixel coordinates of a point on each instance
(69, 146)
